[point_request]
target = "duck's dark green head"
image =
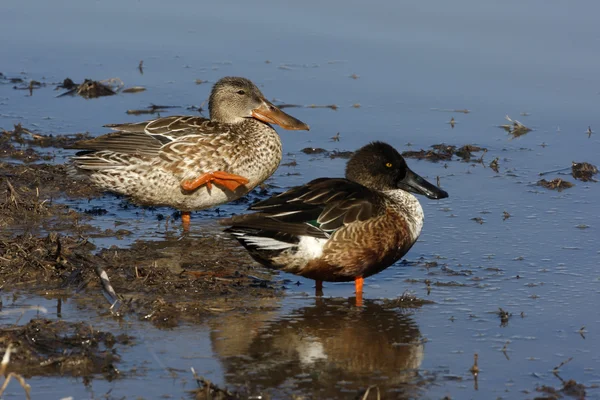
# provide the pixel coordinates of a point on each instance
(233, 99)
(379, 166)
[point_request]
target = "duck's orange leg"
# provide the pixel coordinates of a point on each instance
(221, 178)
(358, 285)
(318, 288)
(185, 220)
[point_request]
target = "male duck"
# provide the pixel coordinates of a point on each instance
(191, 163)
(334, 229)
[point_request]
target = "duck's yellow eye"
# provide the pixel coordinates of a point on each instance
(389, 165)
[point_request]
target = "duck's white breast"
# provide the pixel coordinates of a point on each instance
(409, 208)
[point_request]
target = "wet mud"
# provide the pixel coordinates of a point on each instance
(555, 184)
(164, 283)
(45, 245)
(584, 171)
(44, 347)
(91, 89)
(443, 152)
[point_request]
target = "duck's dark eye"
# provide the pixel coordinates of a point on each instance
(241, 92)
(389, 165)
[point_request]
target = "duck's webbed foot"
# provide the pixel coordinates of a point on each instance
(221, 178)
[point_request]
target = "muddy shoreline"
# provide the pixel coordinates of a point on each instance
(46, 248)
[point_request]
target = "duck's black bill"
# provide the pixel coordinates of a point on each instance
(268, 113)
(415, 184)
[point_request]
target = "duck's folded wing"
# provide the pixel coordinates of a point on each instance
(314, 209)
(171, 128)
(151, 138)
(264, 223)
(135, 143)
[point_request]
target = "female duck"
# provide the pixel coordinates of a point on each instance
(335, 229)
(191, 163)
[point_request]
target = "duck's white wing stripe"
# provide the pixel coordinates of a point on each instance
(264, 243)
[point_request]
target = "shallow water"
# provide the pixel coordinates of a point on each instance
(412, 62)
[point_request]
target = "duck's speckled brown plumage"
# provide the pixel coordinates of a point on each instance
(360, 249)
(153, 174)
(335, 229)
(149, 160)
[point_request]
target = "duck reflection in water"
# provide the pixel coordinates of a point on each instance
(326, 349)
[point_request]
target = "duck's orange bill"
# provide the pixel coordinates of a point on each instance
(221, 178)
(270, 114)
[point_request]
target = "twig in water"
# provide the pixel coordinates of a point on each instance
(555, 370)
(515, 123)
(515, 127)
(210, 388)
(475, 371)
(481, 158)
(13, 196)
(475, 368)
(464, 110)
(553, 171)
(331, 106)
(366, 395)
(108, 290)
(152, 109)
(504, 349)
